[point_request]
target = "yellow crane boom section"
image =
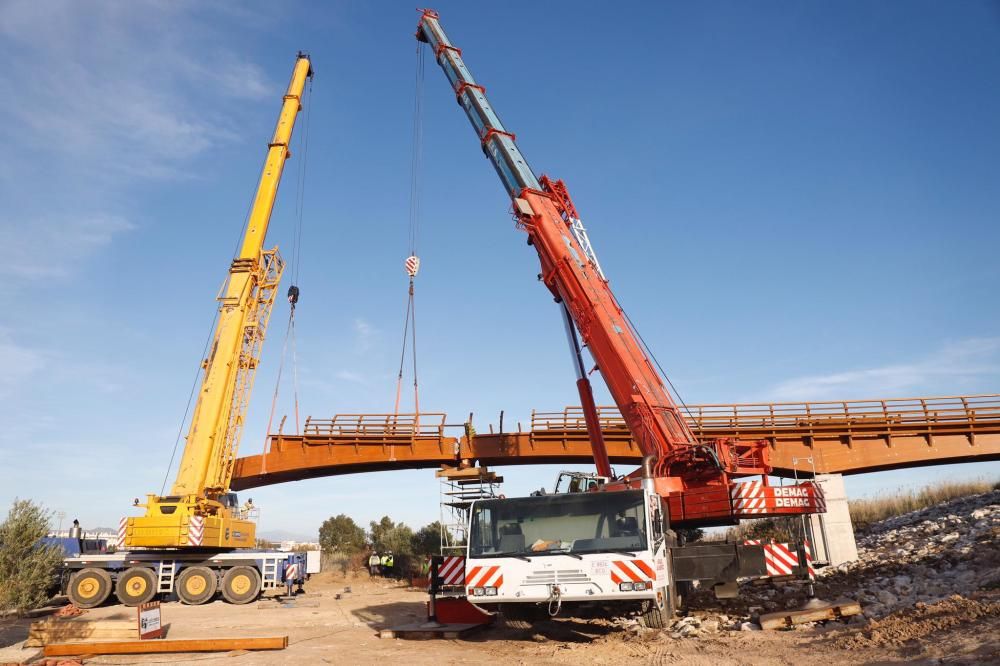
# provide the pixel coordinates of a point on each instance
(197, 512)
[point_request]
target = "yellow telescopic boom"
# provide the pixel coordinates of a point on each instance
(199, 511)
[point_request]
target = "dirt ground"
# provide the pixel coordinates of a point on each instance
(324, 629)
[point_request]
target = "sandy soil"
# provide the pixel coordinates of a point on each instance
(324, 629)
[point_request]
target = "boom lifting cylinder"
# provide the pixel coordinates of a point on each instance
(197, 512)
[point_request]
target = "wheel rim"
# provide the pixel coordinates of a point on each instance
(196, 585)
(241, 584)
(88, 587)
(136, 586)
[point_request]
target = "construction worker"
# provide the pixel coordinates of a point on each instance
(291, 573)
(374, 562)
(387, 564)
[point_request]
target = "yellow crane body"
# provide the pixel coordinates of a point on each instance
(200, 510)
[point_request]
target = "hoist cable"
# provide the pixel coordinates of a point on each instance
(277, 383)
(300, 189)
(416, 156)
(187, 408)
(295, 378)
(413, 332)
(402, 355)
(412, 262)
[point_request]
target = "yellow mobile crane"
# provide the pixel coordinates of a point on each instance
(192, 533)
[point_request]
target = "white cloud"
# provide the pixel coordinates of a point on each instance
(19, 363)
(54, 247)
(956, 368)
(351, 376)
(100, 97)
(364, 335)
(123, 86)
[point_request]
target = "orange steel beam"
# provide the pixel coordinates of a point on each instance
(848, 437)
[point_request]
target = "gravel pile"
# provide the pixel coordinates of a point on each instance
(923, 557)
(909, 561)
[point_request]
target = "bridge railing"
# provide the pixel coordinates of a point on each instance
(378, 426)
(825, 418)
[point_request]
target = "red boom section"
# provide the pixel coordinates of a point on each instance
(544, 209)
(652, 417)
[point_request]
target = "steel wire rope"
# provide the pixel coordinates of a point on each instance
(412, 262)
(208, 340)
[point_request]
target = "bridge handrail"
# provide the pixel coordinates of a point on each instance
(839, 416)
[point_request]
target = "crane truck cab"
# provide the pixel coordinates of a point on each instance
(530, 557)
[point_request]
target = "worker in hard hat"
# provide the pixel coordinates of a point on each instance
(387, 564)
(374, 562)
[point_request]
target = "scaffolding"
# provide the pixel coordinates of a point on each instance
(459, 489)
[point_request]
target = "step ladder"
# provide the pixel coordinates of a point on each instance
(165, 575)
(269, 574)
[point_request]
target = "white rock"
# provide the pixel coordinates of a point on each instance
(749, 626)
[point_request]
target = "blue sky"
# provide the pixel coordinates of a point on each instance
(792, 200)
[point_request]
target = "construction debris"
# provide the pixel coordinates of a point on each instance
(177, 645)
(818, 613)
(923, 557)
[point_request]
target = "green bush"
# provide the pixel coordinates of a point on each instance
(27, 568)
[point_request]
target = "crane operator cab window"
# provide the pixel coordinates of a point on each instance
(553, 524)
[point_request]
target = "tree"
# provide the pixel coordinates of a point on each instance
(341, 534)
(388, 536)
(27, 567)
(427, 540)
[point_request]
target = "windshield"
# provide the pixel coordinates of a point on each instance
(552, 524)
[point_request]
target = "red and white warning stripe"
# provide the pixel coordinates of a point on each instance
(451, 571)
(748, 497)
(779, 558)
(412, 265)
(484, 577)
(635, 571)
(809, 561)
(196, 530)
(122, 524)
(291, 571)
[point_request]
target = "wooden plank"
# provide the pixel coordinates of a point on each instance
(168, 645)
(831, 611)
(60, 631)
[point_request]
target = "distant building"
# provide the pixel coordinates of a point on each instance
(289, 546)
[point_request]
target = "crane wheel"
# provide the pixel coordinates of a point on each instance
(653, 617)
(196, 585)
(89, 587)
(136, 586)
(241, 585)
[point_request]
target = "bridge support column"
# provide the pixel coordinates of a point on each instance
(833, 532)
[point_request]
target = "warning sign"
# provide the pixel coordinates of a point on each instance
(149, 621)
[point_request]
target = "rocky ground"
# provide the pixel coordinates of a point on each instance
(934, 563)
(939, 565)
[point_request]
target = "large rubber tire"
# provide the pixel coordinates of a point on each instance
(136, 586)
(241, 585)
(652, 616)
(89, 587)
(196, 585)
(519, 618)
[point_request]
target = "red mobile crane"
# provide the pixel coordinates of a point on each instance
(694, 482)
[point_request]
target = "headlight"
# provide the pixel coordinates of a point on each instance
(625, 587)
(490, 591)
(639, 587)
(476, 591)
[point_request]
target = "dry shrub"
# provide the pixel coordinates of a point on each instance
(868, 511)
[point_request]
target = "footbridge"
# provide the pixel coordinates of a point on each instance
(847, 437)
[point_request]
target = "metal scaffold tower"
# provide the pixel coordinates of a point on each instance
(459, 489)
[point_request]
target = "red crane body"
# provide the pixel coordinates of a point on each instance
(695, 478)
